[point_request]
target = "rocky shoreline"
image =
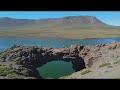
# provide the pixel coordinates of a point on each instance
(27, 58)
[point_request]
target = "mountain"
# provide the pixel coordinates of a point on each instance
(77, 27)
(69, 20)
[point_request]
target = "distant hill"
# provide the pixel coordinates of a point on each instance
(77, 27)
(10, 22)
(69, 20)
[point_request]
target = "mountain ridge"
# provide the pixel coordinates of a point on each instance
(76, 27)
(67, 20)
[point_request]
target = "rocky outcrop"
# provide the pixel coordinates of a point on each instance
(102, 62)
(95, 55)
(30, 57)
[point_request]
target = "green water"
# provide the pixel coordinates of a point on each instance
(56, 69)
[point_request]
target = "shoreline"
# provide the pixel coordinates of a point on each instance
(56, 37)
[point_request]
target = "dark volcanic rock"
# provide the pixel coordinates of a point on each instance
(31, 57)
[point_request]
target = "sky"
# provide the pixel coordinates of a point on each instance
(109, 17)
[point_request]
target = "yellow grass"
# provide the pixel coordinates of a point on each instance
(61, 32)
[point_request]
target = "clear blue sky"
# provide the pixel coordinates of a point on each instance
(109, 17)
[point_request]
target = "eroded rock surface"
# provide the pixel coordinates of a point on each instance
(102, 62)
(31, 57)
(28, 58)
(95, 55)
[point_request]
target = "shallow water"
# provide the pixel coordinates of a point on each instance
(57, 68)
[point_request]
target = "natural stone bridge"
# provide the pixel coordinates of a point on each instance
(31, 57)
(28, 58)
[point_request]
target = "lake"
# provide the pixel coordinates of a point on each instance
(53, 69)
